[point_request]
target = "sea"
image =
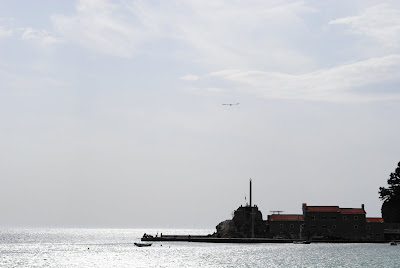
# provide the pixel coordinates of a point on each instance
(67, 247)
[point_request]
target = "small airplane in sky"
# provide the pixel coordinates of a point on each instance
(230, 104)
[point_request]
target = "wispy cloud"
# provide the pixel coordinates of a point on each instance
(106, 27)
(4, 32)
(220, 33)
(41, 36)
(190, 77)
(381, 22)
(30, 34)
(338, 84)
(253, 40)
(235, 33)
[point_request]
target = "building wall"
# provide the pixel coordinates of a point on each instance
(322, 224)
(391, 231)
(375, 231)
(354, 226)
(285, 229)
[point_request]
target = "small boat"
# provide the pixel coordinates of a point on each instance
(393, 243)
(143, 244)
(302, 242)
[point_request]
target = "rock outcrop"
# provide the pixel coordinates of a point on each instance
(226, 229)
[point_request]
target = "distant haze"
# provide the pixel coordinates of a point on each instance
(111, 111)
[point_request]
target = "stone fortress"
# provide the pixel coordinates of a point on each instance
(324, 223)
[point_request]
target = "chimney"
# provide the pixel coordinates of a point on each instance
(362, 206)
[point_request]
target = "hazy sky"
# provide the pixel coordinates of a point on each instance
(111, 111)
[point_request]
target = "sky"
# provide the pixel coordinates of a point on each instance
(111, 112)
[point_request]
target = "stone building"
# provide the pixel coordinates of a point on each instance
(335, 223)
(327, 223)
(285, 225)
(247, 222)
(375, 229)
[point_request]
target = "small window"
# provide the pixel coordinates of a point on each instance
(291, 233)
(313, 217)
(368, 227)
(292, 226)
(355, 226)
(371, 234)
(344, 218)
(355, 218)
(334, 218)
(324, 226)
(333, 226)
(281, 225)
(324, 217)
(281, 233)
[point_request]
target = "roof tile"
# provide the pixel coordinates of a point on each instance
(285, 217)
(323, 208)
(374, 219)
(352, 211)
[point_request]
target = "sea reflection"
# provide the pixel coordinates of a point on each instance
(115, 248)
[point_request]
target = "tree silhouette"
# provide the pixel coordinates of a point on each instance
(393, 191)
(391, 198)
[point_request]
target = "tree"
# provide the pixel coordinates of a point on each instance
(391, 197)
(393, 191)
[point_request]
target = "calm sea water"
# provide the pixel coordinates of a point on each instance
(115, 248)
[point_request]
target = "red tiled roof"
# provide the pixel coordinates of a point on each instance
(323, 208)
(285, 217)
(352, 211)
(374, 219)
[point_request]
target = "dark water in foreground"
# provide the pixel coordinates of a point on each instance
(115, 248)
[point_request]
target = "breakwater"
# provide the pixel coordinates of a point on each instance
(211, 239)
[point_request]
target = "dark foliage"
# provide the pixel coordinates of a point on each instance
(391, 211)
(391, 198)
(393, 191)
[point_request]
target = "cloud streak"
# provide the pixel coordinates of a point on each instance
(190, 77)
(254, 45)
(381, 23)
(41, 36)
(105, 27)
(210, 32)
(30, 34)
(338, 84)
(5, 32)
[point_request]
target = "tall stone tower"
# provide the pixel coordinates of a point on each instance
(247, 222)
